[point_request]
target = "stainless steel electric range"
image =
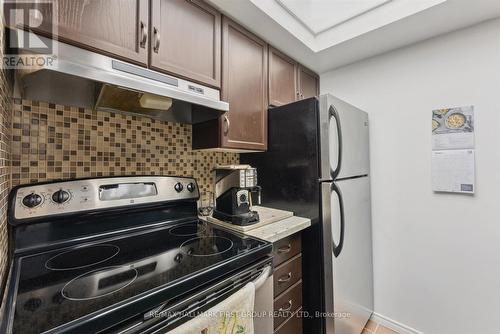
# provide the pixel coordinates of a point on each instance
(118, 255)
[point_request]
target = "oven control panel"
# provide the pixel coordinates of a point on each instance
(74, 196)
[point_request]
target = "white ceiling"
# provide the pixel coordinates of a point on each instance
(321, 24)
(321, 15)
(326, 34)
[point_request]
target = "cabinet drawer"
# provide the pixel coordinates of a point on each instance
(287, 303)
(291, 326)
(287, 274)
(286, 248)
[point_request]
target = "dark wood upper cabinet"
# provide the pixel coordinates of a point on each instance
(186, 40)
(283, 86)
(118, 28)
(308, 83)
(288, 80)
(244, 87)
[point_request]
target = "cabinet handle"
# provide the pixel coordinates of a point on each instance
(285, 249)
(286, 278)
(286, 309)
(156, 34)
(228, 124)
(144, 35)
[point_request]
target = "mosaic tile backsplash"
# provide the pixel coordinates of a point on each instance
(5, 127)
(51, 142)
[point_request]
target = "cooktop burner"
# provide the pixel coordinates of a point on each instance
(57, 287)
(82, 257)
(188, 229)
(206, 246)
(109, 280)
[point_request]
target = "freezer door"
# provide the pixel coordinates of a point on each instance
(347, 254)
(343, 139)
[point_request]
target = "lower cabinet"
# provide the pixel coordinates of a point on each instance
(292, 326)
(287, 274)
(287, 258)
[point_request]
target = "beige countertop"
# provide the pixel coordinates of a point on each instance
(280, 229)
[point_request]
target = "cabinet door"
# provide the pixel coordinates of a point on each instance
(282, 78)
(186, 37)
(244, 86)
(308, 83)
(118, 28)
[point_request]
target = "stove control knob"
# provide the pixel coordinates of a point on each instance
(32, 200)
(191, 187)
(60, 196)
(178, 187)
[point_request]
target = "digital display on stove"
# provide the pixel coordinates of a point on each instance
(118, 191)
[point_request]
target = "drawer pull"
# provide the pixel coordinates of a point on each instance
(285, 249)
(288, 308)
(286, 278)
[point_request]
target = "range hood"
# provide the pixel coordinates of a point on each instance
(87, 79)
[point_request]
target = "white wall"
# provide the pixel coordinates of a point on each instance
(436, 256)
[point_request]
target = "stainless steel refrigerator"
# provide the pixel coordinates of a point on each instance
(317, 165)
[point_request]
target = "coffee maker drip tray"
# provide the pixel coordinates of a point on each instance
(242, 219)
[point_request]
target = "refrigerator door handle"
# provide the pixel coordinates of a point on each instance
(334, 114)
(337, 249)
(328, 257)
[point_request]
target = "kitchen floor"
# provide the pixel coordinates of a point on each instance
(373, 328)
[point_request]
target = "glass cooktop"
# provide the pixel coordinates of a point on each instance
(60, 286)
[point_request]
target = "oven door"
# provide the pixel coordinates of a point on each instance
(263, 323)
(175, 312)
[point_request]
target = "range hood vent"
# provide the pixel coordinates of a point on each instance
(86, 79)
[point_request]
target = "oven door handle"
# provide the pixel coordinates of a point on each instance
(266, 273)
(258, 282)
(257, 274)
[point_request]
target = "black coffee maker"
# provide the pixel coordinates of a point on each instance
(235, 191)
